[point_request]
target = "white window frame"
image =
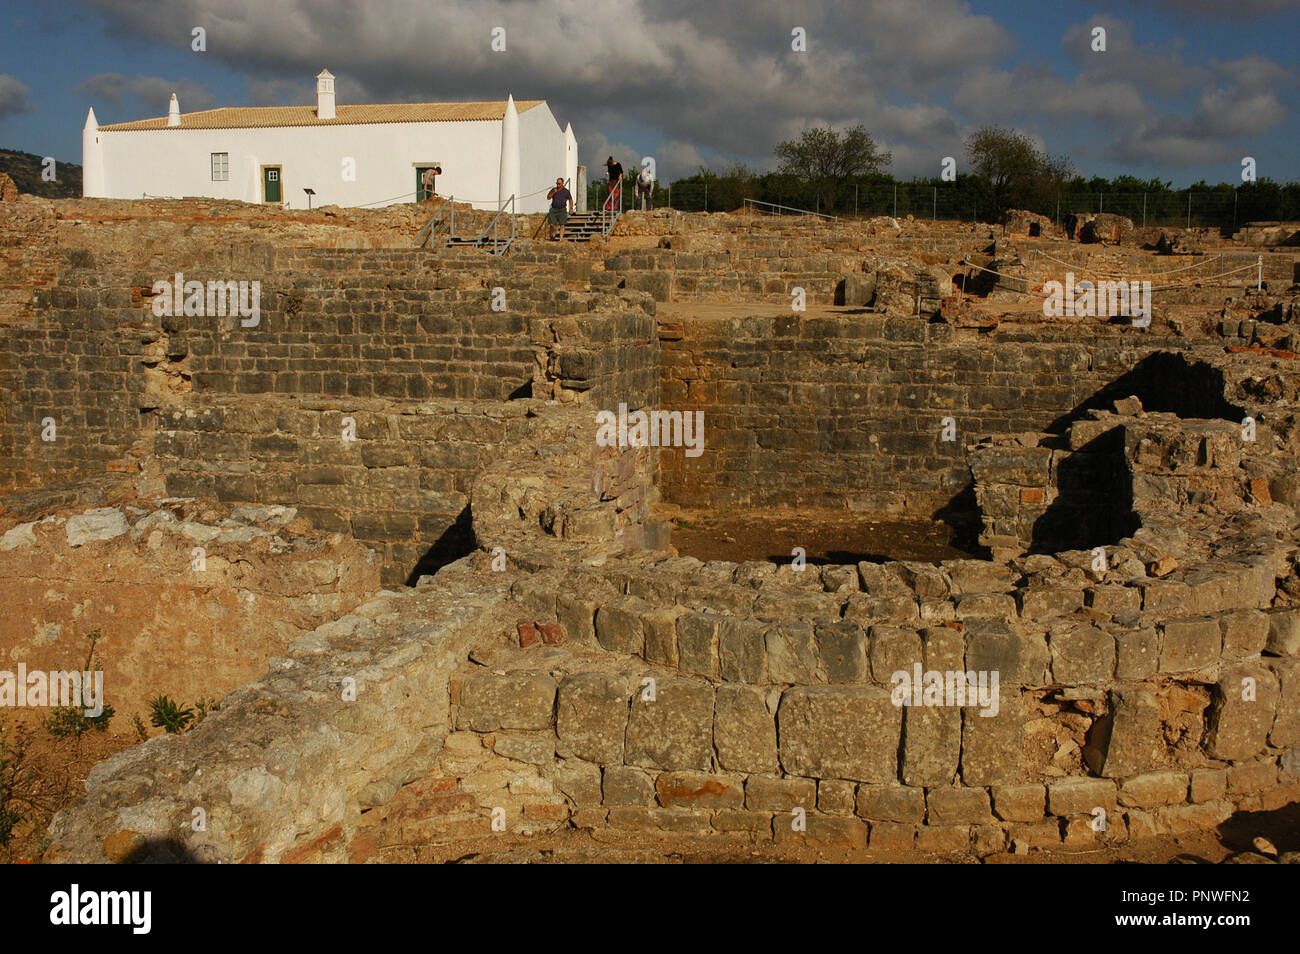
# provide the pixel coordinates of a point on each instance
(225, 167)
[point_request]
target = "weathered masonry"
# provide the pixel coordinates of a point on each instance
(540, 659)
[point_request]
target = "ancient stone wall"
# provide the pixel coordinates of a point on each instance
(192, 600)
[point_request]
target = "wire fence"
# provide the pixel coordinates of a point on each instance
(1224, 207)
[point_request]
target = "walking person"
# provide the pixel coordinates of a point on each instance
(1071, 221)
(561, 208)
(615, 170)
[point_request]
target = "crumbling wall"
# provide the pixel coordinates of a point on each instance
(192, 600)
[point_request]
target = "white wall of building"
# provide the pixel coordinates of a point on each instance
(176, 162)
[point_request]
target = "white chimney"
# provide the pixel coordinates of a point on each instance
(173, 112)
(325, 95)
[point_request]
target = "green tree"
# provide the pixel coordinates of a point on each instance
(824, 158)
(1021, 174)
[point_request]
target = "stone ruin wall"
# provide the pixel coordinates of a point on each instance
(762, 676)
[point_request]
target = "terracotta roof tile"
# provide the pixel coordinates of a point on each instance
(254, 117)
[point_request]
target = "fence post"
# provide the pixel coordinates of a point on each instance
(1259, 285)
(1189, 208)
(706, 195)
(1058, 210)
(670, 197)
(1234, 210)
(934, 208)
(1144, 210)
(855, 200)
(895, 200)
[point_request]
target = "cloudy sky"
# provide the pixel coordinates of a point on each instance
(1183, 90)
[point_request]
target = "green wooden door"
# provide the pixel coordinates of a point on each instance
(421, 193)
(271, 184)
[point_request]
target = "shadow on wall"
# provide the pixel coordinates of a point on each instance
(1164, 381)
(456, 541)
(1094, 506)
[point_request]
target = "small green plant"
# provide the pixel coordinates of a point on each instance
(170, 716)
(140, 730)
(72, 721)
(18, 783)
(205, 706)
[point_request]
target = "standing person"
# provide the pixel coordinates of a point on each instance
(645, 186)
(615, 170)
(430, 180)
(561, 208)
(1071, 221)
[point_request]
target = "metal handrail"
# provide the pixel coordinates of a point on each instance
(786, 208)
(492, 227)
(431, 226)
(608, 214)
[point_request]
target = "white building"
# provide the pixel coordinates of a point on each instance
(348, 155)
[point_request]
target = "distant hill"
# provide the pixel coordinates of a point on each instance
(25, 169)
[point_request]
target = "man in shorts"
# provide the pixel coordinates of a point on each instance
(561, 208)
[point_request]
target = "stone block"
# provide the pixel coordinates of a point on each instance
(744, 732)
(659, 627)
(697, 643)
(849, 732)
(675, 731)
(1020, 803)
(1154, 789)
(1241, 712)
(700, 790)
(1137, 653)
(842, 647)
(891, 803)
(1245, 632)
(624, 786)
(1046, 602)
(1187, 645)
(1082, 655)
(992, 745)
(768, 793)
(1019, 658)
(892, 836)
(1286, 725)
(1114, 599)
(836, 796)
(1208, 785)
(1284, 632)
(893, 649)
(931, 745)
(957, 806)
(1127, 741)
(592, 715)
(943, 838)
(1079, 795)
(742, 650)
(579, 781)
(517, 700)
(618, 625)
(792, 653)
(1251, 778)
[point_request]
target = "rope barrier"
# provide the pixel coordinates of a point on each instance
(1170, 271)
(1201, 279)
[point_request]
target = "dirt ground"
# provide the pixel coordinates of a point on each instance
(826, 537)
(41, 773)
(1281, 827)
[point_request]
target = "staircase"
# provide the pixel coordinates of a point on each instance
(583, 226)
